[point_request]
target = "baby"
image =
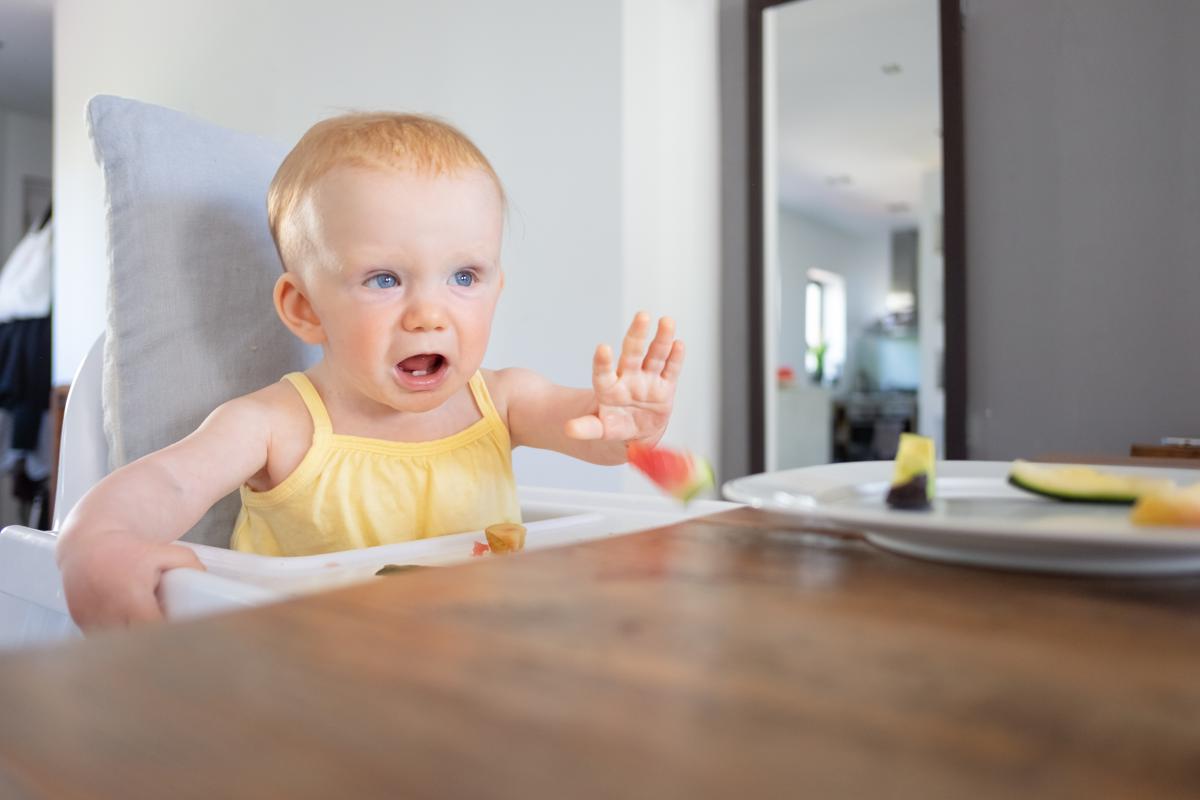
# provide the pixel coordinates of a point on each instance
(389, 228)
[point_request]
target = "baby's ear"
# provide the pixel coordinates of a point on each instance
(294, 308)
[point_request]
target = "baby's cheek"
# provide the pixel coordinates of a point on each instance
(477, 347)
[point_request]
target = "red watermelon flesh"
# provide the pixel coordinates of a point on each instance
(679, 474)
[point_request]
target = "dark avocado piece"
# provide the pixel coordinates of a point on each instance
(912, 495)
(396, 569)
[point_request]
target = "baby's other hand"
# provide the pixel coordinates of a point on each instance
(111, 579)
(634, 401)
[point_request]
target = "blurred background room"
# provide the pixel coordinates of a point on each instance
(1046, 306)
(26, 247)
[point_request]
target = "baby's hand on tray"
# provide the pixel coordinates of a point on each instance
(111, 578)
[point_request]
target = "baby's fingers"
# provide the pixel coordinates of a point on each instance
(142, 607)
(634, 345)
(674, 362)
(177, 555)
(166, 558)
(660, 348)
(603, 375)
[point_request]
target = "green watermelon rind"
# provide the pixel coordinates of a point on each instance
(700, 472)
(703, 479)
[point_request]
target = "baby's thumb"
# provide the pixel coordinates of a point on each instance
(171, 557)
(589, 427)
(176, 555)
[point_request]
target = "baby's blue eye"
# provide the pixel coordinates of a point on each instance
(464, 277)
(384, 281)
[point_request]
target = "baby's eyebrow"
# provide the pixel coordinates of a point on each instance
(475, 261)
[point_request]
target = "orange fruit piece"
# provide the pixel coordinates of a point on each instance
(505, 537)
(1175, 507)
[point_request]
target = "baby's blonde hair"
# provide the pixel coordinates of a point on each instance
(379, 140)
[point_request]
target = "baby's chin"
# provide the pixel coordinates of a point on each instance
(421, 403)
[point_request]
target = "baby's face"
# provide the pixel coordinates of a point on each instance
(410, 280)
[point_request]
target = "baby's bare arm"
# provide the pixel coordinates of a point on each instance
(538, 413)
(117, 541)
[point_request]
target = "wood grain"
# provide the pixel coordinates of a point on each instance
(734, 656)
(1165, 451)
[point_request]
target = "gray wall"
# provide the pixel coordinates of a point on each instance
(735, 369)
(1083, 224)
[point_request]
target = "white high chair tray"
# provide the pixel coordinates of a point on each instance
(33, 610)
(299, 574)
(978, 519)
(552, 518)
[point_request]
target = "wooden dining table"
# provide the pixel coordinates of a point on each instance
(739, 655)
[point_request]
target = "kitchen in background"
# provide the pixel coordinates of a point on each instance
(854, 229)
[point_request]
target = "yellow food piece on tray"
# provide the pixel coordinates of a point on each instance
(506, 537)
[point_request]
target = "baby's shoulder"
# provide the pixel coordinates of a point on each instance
(283, 409)
(505, 384)
(497, 382)
(277, 403)
(509, 385)
(289, 426)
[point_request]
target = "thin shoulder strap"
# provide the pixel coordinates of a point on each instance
(316, 408)
(483, 399)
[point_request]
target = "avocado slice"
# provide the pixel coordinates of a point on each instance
(1077, 484)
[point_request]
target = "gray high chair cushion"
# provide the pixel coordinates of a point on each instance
(191, 269)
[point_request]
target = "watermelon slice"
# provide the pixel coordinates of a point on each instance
(679, 474)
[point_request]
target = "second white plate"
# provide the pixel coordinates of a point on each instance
(978, 519)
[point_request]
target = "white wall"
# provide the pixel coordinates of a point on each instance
(537, 83)
(863, 260)
(1083, 248)
(24, 150)
(671, 192)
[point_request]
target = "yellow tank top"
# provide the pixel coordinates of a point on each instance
(352, 491)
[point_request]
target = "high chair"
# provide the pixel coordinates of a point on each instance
(163, 208)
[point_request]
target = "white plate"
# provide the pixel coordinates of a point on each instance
(978, 519)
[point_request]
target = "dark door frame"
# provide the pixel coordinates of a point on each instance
(954, 241)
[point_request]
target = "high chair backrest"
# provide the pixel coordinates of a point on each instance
(83, 450)
(190, 319)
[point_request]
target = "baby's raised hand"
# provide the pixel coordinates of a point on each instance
(634, 401)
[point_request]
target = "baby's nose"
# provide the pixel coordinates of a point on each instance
(424, 316)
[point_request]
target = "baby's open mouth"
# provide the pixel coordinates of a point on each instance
(423, 364)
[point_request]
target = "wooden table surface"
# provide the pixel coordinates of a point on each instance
(726, 657)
